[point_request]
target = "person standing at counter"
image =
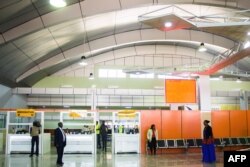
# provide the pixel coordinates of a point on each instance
(60, 143)
(97, 131)
(152, 136)
(208, 148)
(103, 131)
(34, 133)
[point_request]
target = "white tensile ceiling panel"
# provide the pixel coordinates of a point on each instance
(65, 14)
(110, 62)
(177, 61)
(91, 7)
(158, 61)
(130, 61)
(23, 29)
(185, 51)
(77, 51)
(133, 3)
(152, 34)
(127, 37)
(201, 37)
(102, 43)
(168, 62)
(178, 35)
(79, 72)
(204, 56)
(124, 52)
(149, 61)
(165, 49)
(53, 60)
(120, 62)
(148, 49)
(221, 41)
(139, 60)
(103, 57)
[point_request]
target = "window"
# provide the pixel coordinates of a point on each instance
(111, 73)
(149, 76)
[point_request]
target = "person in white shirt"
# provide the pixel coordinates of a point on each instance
(152, 136)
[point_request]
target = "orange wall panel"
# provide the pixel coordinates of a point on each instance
(191, 124)
(147, 119)
(180, 91)
(238, 123)
(220, 124)
(248, 123)
(171, 124)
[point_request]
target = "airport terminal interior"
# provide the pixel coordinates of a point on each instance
(126, 64)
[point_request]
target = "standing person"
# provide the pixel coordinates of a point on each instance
(152, 137)
(97, 131)
(60, 143)
(103, 131)
(34, 133)
(208, 148)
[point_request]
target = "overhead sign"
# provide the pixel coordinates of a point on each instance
(25, 112)
(74, 115)
(126, 114)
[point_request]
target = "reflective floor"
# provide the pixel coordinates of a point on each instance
(109, 160)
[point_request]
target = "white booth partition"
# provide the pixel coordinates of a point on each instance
(79, 126)
(126, 138)
(18, 139)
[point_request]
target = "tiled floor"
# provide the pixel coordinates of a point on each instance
(109, 160)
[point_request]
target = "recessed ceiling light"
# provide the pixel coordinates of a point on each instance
(58, 3)
(168, 24)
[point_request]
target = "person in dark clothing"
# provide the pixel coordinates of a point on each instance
(60, 143)
(34, 133)
(152, 136)
(208, 148)
(103, 132)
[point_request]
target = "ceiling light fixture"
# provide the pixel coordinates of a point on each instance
(248, 33)
(83, 63)
(202, 47)
(238, 80)
(91, 76)
(168, 24)
(58, 3)
(246, 45)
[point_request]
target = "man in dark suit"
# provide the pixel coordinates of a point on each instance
(60, 143)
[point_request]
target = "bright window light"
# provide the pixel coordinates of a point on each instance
(248, 33)
(103, 73)
(148, 76)
(58, 3)
(111, 73)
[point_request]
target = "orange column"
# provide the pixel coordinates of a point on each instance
(220, 124)
(147, 119)
(191, 124)
(171, 124)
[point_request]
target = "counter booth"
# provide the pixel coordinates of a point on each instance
(126, 138)
(18, 124)
(79, 127)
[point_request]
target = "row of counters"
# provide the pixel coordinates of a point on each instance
(76, 143)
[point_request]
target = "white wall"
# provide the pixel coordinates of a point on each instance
(8, 100)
